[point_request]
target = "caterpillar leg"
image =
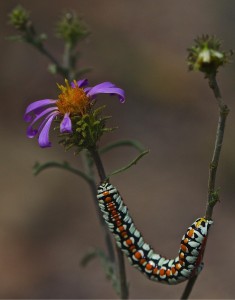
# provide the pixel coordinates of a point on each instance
(140, 254)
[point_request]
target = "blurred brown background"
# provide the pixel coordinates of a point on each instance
(48, 222)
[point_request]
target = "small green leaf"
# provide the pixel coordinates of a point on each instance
(133, 162)
(38, 168)
(130, 143)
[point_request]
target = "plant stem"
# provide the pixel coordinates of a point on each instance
(69, 61)
(212, 197)
(223, 113)
(120, 260)
(189, 287)
(45, 52)
(32, 38)
(92, 184)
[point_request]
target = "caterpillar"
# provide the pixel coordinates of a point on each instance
(141, 255)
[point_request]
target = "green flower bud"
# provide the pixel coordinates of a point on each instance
(19, 17)
(206, 55)
(71, 29)
(88, 129)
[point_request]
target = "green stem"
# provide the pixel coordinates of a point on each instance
(223, 113)
(89, 171)
(188, 288)
(69, 61)
(31, 37)
(120, 260)
(99, 165)
(63, 71)
(213, 196)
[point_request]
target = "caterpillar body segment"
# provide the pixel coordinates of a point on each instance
(140, 254)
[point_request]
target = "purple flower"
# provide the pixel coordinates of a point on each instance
(75, 99)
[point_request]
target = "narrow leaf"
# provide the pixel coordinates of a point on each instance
(133, 162)
(38, 168)
(131, 143)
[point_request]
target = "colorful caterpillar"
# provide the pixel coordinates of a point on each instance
(140, 254)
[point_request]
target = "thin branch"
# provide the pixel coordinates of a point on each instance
(120, 260)
(41, 48)
(69, 61)
(213, 196)
(122, 274)
(189, 288)
(89, 171)
(223, 113)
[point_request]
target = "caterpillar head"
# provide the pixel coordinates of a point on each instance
(202, 225)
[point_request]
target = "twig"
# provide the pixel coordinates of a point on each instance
(213, 196)
(223, 113)
(120, 260)
(89, 171)
(61, 70)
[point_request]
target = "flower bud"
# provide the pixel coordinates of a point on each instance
(19, 17)
(206, 55)
(71, 28)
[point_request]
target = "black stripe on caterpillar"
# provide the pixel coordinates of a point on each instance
(140, 254)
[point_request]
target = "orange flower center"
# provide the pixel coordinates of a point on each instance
(72, 100)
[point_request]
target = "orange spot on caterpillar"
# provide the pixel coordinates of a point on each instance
(173, 270)
(107, 199)
(121, 228)
(148, 267)
(178, 266)
(155, 270)
(142, 261)
(124, 234)
(190, 233)
(181, 255)
(129, 242)
(138, 255)
(162, 272)
(105, 193)
(168, 272)
(118, 223)
(186, 241)
(132, 248)
(183, 248)
(116, 217)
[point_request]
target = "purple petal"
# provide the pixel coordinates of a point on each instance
(81, 83)
(66, 124)
(107, 88)
(32, 132)
(87, 89)
(104, 85)
(100, 86)
(119, 92)
(35, 106)
(44, 129)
